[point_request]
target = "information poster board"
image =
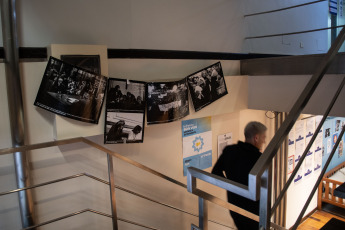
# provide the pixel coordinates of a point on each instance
(197, 143)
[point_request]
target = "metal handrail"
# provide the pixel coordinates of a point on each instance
(294, 33)
(257, 179)
(301, 102)
(92, 144)
(295, 171)
(197, 173)
(83, 211)
(103, 149)
(319, 179)
(286, 8)
(107, 183)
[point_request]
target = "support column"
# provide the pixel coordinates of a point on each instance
(265, 199)
(15, 104)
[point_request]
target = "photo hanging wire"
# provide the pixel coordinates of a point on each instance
(127, 83)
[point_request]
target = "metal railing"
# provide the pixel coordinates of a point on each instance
(259, 179)
(110, 183)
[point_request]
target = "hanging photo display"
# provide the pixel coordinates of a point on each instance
(167, 101)
(207, 86)
(71, 91)
(125, 111)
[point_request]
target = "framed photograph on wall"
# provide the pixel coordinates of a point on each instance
(125, 111)
(71, 91)
(167, 101)
(207, 86)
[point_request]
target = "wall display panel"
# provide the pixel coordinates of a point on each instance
(207, 86)
(332, 128)
(125, 111)
(71, 91)
(167, 101)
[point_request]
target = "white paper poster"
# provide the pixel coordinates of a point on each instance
(291, 152)
(197, 143)
(223, 141)
(291, 164)
(318, 146)
(299, 176)
(300, 140)
(300, 147)
(308, 162)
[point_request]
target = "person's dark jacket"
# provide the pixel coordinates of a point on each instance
(236, 162)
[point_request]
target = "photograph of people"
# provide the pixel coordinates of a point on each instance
(125, 95)
(124, 128)
(72, 92)
(167, 101)
(207, 86)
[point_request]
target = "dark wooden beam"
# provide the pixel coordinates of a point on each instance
(39, 53)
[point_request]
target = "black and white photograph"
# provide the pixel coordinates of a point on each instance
(207, 86)
(90, 63)
(327, 132)
(124, 128)
(337, 125)
(71, 91)
(167, 101)
(125, 95)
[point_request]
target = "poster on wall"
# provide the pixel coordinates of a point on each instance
(167, 101)
(309, 160)
(299, 139)
(223, 141)
(318, 146)
(207, 86)
(299, 176)
(300, 147)
(90, 63)
(71, 91)
(125, 111)
(197, 143)
(291, 151)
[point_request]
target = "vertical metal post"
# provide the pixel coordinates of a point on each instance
(112, 190)
(280, 172)
(275, 166)
(15, 104)
(284, 171)
(265, 199)
(203, 214)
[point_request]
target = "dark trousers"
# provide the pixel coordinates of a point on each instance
(244, 223)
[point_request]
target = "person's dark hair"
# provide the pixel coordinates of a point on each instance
(253, 128)
(137, 129)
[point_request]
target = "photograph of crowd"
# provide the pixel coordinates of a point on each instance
(124, 128)
(71, 91)
(90, 63)
(207, 86)
(167, 101)
(125, 95)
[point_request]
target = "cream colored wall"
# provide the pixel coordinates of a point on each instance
(161, 150)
